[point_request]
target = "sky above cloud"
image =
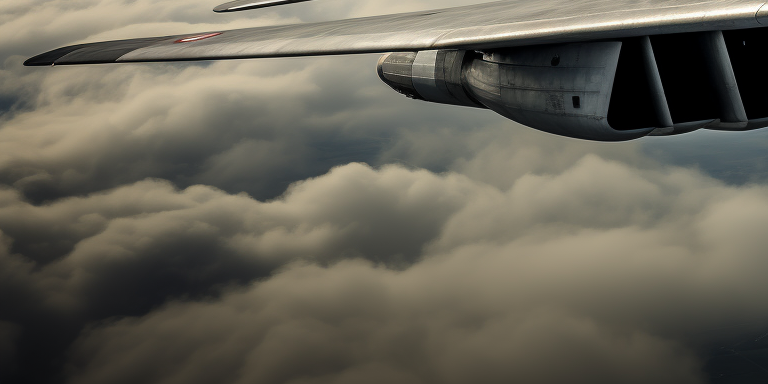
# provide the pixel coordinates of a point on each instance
(297, 221)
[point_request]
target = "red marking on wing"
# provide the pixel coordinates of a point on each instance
(196, 38)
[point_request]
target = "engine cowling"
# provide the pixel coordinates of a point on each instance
(561, 89)
(435, 76)
(606, 91)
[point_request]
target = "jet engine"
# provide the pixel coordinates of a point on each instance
(435, 76)
(606, 90)
(562, 89)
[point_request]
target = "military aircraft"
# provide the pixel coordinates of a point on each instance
(605, 70)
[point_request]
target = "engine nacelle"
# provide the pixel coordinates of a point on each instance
(605, 91)
(561, 89)
(434, 76)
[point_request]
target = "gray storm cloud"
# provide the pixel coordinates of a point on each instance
(354, 323)
(218, 223)
(605, 292)
(192, 124)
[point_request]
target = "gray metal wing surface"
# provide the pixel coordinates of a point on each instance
(483, 26)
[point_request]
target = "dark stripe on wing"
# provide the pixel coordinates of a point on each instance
(95, 53)
(242, 5)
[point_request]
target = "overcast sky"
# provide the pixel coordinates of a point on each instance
(297, 221)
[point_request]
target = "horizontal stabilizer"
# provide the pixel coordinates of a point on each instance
(242, 5)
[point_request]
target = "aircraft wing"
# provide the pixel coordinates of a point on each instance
(483, 26)
(243, 5)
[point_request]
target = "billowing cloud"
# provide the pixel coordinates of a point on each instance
(608, 281)
(354, 323)
(251, 126)
(218, 222)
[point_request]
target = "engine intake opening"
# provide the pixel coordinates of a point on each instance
(396, 70)
(435, 76)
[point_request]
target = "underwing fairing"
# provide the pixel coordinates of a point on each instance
(590, 69)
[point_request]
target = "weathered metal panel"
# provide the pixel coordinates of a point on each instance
(396, 70)
(424, 72)
(561, 89)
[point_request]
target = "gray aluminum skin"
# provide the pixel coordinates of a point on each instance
(499, 24)
(560, 89)
(734, 117)
(424, 78)
(564, 89)
(243, 5)
(436, 76)
(660, 106)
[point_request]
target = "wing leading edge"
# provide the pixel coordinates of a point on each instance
(483, 26)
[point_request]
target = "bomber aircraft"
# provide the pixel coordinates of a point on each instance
(606, 70)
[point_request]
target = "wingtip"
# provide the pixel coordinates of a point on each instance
(230, 6)
(244, 5)
(92, 53)
(37, 62)
(49, 58)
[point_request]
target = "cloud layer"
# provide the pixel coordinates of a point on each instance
(295, 221)
(606, 281)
